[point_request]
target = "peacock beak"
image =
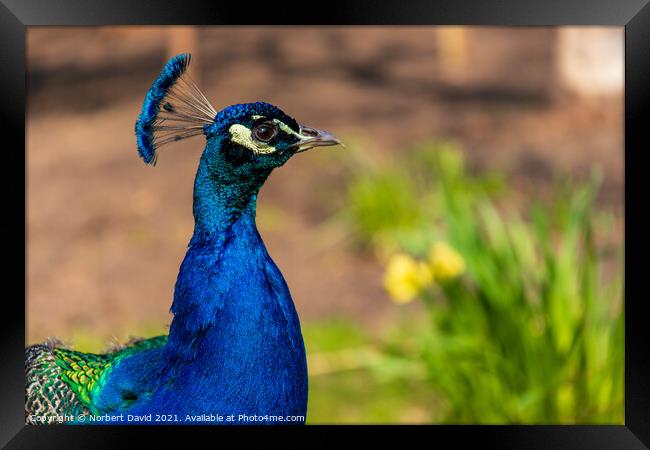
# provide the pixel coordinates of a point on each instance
(311, 137)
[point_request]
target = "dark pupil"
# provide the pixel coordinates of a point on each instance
(264, 133)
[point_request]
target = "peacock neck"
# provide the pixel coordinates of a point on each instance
(220, 199)
(227, 284)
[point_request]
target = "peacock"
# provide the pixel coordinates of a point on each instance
(234, 352)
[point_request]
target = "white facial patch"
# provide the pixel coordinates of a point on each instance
(242, 136)
(287, 129)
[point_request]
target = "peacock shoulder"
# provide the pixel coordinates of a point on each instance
(60, 382)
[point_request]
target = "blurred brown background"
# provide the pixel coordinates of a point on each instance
(106, 234)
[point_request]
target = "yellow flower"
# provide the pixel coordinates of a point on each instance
(405, 278)
(446, 262)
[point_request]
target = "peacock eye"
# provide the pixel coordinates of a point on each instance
(264, 132)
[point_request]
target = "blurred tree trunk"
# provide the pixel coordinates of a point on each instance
(453, 51)
(590, 60)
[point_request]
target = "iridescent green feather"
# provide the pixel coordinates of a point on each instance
(81, 370)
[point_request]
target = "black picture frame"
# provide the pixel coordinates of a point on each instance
(634, 15)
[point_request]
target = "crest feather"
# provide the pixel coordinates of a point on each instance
(174, 109)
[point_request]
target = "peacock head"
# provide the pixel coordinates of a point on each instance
(258, 137)
(244, 140)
